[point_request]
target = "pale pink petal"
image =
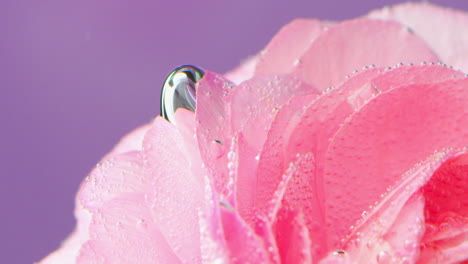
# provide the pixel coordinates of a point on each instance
(255, 103)
(123, 231)
(256, 189)
(443, 29)
(243, 72)
(115, 176)
(132, 141)
(354, 44)
(287, 46)
(243, 244)
(212, 238)
(384, 139)
(174, 196)
(70, 248)
(213, 127)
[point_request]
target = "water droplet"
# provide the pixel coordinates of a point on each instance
(227, 206)
(339, 252)
(218, 141)
(410, 245)
(383, 257)
(179, 90)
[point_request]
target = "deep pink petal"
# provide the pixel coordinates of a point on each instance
(283, 52)
(354, 44)
(397, 244)
(292, 238)
(392, 229)
(381, 141)
(293, 212)
(443, 29)
(446, 239)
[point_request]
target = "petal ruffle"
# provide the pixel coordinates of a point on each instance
(443, 29)
(383, 139)
(357, 43)
(283, 52)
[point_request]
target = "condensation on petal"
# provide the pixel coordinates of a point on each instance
(354, 44)
(243, 244)
(260, 174)
(393, 228)
(123, 231)
(213, 127)
(385, 138)
(175, 194)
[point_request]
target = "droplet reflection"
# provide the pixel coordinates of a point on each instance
(179, 90)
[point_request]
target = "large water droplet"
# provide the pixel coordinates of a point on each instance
(179, 90)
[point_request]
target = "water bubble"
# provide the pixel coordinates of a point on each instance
(218, 142)
(383, 257)
(179, 90)
(339, 252)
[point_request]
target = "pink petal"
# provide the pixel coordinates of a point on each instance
(381, 141)
(447, 212)
(175, 196)
(292, 238)
(70, 248)
(122, 231)
(322, 119)
(244, 245)
(256, 102)
(213, 128)
(287, 46)
(354, 44)
(397, 244)
(132, 141)
(256, 189)
(115, 176)
(149, 174)
(392, 230)
(441, 28)
(296, 193)
(243, 72)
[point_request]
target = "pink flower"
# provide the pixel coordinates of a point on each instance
(277, 166)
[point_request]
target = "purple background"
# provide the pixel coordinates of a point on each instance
(77, 75)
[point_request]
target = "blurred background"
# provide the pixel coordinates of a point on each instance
(75, 76)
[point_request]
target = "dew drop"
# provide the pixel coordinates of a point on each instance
(383, 257)
(218, 142)
(179, 90)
